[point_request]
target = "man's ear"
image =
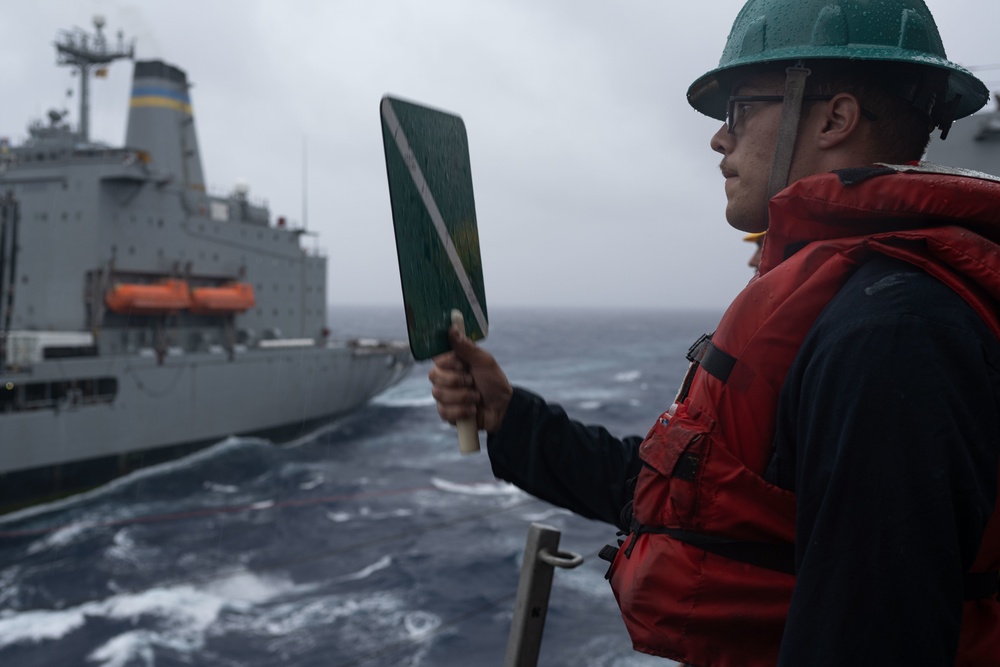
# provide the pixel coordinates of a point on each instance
(841, 117)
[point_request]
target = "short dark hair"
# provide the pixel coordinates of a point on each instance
(906, 98)
(892, 91)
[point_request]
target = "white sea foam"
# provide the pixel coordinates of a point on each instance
(368, 620)
(220, 488)
(404, 401)
(590, 405)
(126, 648)
(183, 613)
(365, 572)
(476, 488)
(628, 376)
(153, 471)
(547, 514)
(61, 537)
(37, 626)
(410, 394)
(312, 482)
(123, 548)
(419, 624)
(368, 515)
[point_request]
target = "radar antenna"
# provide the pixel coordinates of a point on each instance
(83, 51)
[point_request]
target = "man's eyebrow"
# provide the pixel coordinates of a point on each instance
(746, 84)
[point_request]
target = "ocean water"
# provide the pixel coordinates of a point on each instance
(371, 541)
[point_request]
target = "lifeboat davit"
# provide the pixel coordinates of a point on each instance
(223, 300)
(168, 296)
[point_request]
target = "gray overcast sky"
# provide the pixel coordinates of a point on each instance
(594, 182)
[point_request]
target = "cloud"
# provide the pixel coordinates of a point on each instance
(594, 181)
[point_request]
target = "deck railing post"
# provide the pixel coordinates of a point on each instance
(541, 556)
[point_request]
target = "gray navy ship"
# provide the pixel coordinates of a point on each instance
(142, 317)
(972, 143)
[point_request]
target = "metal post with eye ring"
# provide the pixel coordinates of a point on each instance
(541, 557)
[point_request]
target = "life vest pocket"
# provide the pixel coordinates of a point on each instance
(673, 454)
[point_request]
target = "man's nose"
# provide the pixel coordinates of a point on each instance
(722, 141)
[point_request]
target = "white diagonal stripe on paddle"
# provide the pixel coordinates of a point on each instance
(389, 114)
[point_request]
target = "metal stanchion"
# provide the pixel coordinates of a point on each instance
(541, 556)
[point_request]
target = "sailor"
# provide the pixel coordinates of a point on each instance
(826, 490)
(757, 239)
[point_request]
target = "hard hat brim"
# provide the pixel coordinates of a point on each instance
(710, 93)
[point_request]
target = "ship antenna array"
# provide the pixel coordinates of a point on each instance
(84, 51)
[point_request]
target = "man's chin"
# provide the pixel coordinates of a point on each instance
(744, 224)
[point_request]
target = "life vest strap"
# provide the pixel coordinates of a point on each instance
(780, 557)
(772, 556)
(716, 363)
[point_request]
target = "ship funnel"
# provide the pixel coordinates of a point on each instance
(160, 122)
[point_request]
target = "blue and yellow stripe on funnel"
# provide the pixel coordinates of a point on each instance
(163, 98)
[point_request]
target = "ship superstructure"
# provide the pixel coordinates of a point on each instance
(972, 143)
(141, 316)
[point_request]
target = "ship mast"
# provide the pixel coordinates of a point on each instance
(83, 51)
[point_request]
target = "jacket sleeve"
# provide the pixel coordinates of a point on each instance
(891, 440)
(582, 468)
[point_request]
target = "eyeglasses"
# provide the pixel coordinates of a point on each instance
(734, 107)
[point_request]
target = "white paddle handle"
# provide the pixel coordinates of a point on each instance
(468, 434)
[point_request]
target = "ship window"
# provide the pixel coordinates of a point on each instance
(36, 392)
(40, 395)
(106, 387)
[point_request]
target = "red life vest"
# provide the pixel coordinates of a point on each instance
(703, 483)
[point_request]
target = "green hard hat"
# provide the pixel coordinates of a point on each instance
(889, 31)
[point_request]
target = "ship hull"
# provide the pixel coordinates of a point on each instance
(162, 409)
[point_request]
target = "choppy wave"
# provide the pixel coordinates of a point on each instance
(368, 515)
(61, 537)
(628, 376)
(476, 488)
(546, 515)
(220, 488)
(182, 613)
(224, 447)
(365, 572)
(405, 401)
(382, 551)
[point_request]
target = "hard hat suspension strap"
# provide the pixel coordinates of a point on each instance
(788, 130)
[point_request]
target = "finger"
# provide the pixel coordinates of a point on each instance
(452, 413)
(454, 395)
(443, 377)
(449, 360)
(466, 350)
